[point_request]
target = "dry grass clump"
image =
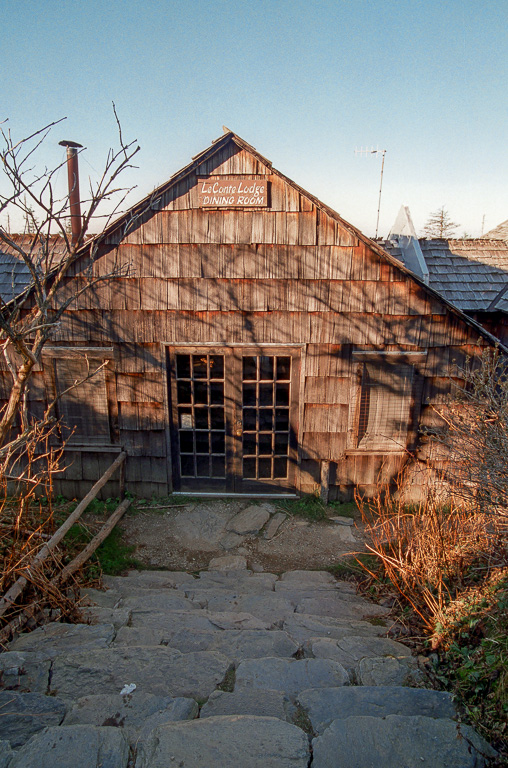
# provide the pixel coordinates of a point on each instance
(426, 552)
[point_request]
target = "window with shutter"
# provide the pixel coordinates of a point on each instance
(383, 405)
(82, 408)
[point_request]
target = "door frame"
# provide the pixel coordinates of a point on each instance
(297, 354)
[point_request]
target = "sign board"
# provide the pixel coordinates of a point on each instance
(233, 191)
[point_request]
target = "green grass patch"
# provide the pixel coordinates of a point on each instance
(114, 556)
(309, 507)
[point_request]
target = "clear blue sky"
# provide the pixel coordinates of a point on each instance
(304, 82)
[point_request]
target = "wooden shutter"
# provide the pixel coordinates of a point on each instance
(84, 408)
(384, 408)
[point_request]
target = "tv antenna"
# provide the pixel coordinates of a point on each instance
(365, 152)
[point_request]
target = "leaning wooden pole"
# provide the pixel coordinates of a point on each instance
(90, 548)
(17, 588)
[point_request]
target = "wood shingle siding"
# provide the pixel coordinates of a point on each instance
(287, 281)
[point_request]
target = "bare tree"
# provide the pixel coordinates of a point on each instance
(28, 321)
(439, 224)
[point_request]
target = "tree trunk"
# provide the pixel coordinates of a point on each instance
(17, 392)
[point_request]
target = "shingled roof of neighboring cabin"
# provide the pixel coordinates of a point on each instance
(498, 233)
(471, 274)
(15, 275)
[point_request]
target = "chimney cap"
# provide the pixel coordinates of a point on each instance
(66, 143)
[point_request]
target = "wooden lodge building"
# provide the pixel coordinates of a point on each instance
(256, 343)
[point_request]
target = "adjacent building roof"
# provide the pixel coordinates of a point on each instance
(471, 274)
(498, 233)
(15, 275)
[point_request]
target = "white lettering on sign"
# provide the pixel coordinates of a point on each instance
(232, 191)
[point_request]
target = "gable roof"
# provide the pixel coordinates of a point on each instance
(131, 218)
(498, 233)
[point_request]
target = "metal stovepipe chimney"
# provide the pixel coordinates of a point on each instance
(73, 179)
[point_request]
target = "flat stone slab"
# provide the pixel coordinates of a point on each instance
(412, 742)
(231, 540)
(323, 705)
(290, 675)
(24, 714)
(104, 598)
(244, 581)
(273, 525)
(170, 620)
(145, 580)
(226, 742)
(228, 563)
(263, 703)
(158, 602)
(332, 605)
(237, 620)
(348, 651)
(118, 617)
(24, 671)
(137, 713)
(314, 578)
(302, 627)
(161, 671)
(249, 520)
(55, 638)
(82, 746)
(342, 520)
(267, 607)
(6, 754)
(387, 671)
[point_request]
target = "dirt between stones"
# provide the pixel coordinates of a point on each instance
(190, 536)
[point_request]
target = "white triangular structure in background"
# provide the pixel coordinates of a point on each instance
(404, 234)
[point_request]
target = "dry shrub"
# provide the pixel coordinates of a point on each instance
(426, 552)
(27, 521)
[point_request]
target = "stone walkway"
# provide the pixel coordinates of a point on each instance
(230, 669)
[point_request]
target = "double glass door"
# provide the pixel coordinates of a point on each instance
(234, 418)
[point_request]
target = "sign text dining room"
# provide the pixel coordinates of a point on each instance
(232, 191)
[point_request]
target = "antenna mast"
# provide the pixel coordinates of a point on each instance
(366, 152)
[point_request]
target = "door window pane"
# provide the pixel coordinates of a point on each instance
(283, 368)
(249, 394)
(249, 418)
(266, 394)
(217, 393)
(218, 442)
(281, 419)
(201, 418)
(218, 466)
(265, 419)
(282, 394)
(202, 466)
(249, 369)
(265, 468)
(187, 465)
(281, 443)
(186, 442)
(265, 444)
(249, 467)
(183, 366)
(184, 392)
(266, 368)
(249, 444)
(200, 392)
(216, 366)
(199, 366)
(280, 468)
(217, 417)
(202, 442)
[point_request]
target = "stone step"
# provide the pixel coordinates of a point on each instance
(240, 580)
(247, 701)
(226, 742)
(290, 675)
(56, 638)
(158, 670)
(268, 607)
(235, 644)
(24, 714)
(303, 627)
(396, 740)
(136, 713)
(82, 746)
(158, 601)
(323, 705)
(350, 650)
